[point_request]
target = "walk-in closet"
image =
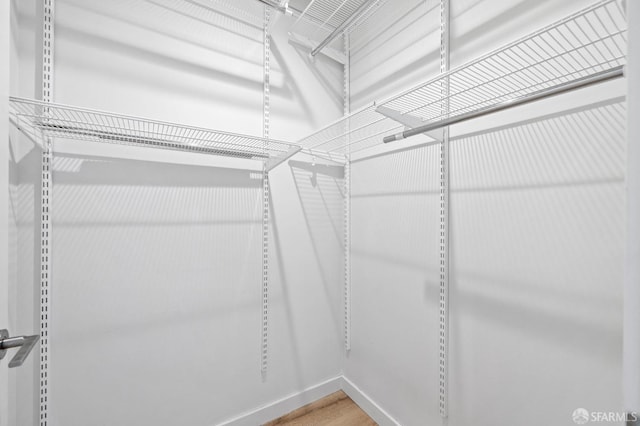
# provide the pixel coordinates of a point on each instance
(320, 212)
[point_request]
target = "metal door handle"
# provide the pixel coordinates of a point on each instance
(25, 343)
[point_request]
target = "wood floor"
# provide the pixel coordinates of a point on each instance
(336, 409)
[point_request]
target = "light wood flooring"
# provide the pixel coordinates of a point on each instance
(336, 409)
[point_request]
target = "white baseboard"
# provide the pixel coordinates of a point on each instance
(368, 405)
(293, 402)
(285, 405)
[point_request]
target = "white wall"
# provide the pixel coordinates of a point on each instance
(19, 305)
(152, 249)
(5, 232)
(537, 243)
(157, 255)
(632, 267)
(536, 254)
(395, 205)
(393, 49)
(24, 167)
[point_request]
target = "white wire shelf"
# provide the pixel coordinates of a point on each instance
(39, 119)
(322, 17)
(587, 42)
(355, 132)
(332, 13)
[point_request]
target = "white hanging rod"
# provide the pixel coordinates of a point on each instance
(592, 79)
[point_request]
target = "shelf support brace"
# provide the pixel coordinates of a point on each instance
(272, 163)
(410, 121)
(308, 43)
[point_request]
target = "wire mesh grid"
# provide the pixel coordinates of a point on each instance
(38, 119)
(366, 14)
(357, 131)
(331, 12)
(207, 17)
(584, 43)
(589, 41)
(321, 17)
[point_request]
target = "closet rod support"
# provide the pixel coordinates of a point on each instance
(411, 122)
(596, 78)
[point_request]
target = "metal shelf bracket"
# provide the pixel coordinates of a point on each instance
(272, 163)
(307, 43)
(410, 121)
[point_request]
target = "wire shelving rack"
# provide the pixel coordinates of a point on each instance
(41, 119)
(321, 18)
(587, 42)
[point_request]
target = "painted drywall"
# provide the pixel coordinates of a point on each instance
(399, 45)
(537, 243)
(632, 266)
(24, 167)
(393, 360)
(156, 290)
(24, 206)
(5, 389)
(396, 46)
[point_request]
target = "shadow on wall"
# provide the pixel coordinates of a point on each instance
(578, 153)
(320, 190)
(394, 267)
(172, 225)
(537, 234)
(156, 269)
(396, 43)
(336, 96)
(546, 196)
(399, 46)
(159, 31)
(183, 61)
(156, 287)
(537, 238)
(24, 261)
(291, 81)
(398, 190)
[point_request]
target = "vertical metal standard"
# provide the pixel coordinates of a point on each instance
(346, 84)
(444, 213)
(265, 199)
(347, 203)
(45, 217)
(347, 256)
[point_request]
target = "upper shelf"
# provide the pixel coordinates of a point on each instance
(587, 42)
(322, 21)
(332, 13)
(39, 119)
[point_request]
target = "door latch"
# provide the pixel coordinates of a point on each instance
(25, 343)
